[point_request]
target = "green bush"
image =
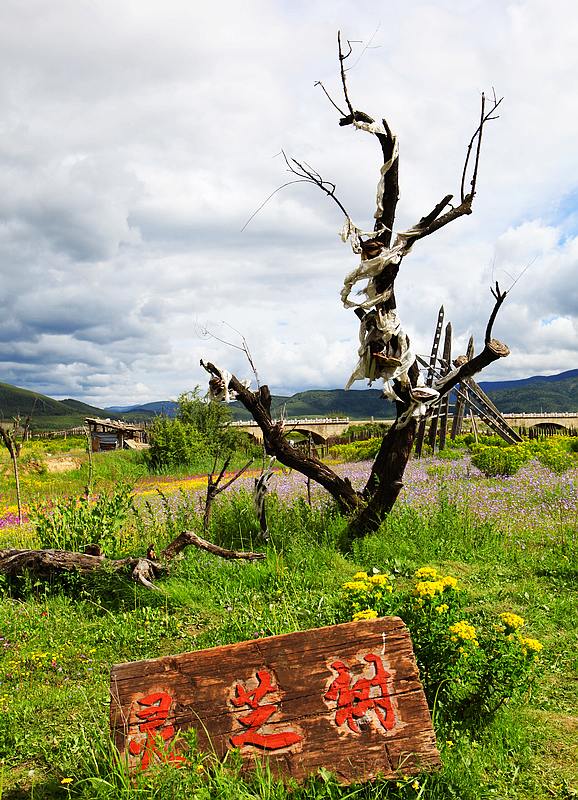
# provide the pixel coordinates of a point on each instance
(488, 441)
(493, 461)
(470, 662)
(72, 523)
(555, 453)
(210, 419)
(362, 450)
(174, 444)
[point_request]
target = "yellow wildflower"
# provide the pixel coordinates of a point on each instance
(442, 609)
(530, 644)
(449, 743)
(450, 582)
(464, 631)
(360, 576)
(66, 781)
(426, 572)
(355, 586)
(428, 588)
(512, 621)
(379, 580)
(368, 613)
(415, 785)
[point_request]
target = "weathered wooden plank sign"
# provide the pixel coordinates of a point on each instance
(346, 697)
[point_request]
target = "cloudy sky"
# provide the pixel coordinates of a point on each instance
(138, 136)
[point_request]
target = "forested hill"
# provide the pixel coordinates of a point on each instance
(538, 393)
(49, 414)
(547, 393)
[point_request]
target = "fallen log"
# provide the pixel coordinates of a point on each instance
(46, 563)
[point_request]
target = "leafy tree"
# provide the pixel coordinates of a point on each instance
(174, 443)
(210, 419)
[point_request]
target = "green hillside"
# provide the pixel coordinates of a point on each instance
(553, 393)
(327, 403)
(49, 414)
(547, 396)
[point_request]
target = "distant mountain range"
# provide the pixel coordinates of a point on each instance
(538, 393)
(49, 414)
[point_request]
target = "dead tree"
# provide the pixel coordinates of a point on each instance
(14, 446)
(384, 350)
(214, 488)
(48, 563)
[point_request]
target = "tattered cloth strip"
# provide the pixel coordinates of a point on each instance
(219, 387)
(384, 326)
(353, 233)
(371, 267)
(421, 398)
(377, 128)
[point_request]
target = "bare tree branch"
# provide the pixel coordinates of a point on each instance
(308, 175)
(189, 538)
(258, 404)
(319, 83)
(500, 297)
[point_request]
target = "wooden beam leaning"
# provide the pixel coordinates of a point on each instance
(461, 399)
(445, 403)
(346, 698)
(433, 428)
(430, 377)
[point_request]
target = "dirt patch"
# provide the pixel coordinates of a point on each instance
(62, 464)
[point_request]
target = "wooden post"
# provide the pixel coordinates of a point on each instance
(461, 400)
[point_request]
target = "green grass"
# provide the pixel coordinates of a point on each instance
(109, 468)
(63, 638)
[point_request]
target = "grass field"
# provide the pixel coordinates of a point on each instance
(511, 542)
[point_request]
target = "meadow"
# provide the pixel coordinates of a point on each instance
(508, 542)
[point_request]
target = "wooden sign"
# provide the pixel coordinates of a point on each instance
(346, 697)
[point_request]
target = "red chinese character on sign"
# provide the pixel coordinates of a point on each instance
(259, 715)
(154, 715)
(355, 700)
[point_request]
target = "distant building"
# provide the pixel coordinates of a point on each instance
(112, 434)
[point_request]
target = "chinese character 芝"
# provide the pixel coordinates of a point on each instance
(259, 715)
(154, 713)
(354, 700)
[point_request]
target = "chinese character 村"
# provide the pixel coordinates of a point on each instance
(154, 716)
(259, 715)
(356, 699)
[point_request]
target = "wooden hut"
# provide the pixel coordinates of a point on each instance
(112, 434)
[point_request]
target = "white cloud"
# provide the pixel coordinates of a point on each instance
(137, 139)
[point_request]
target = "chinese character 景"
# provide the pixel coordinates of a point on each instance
(154, 713)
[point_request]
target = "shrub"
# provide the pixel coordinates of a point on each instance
(210, 419)
(470, 662)
(362, 450)
(174, 444)
(72, 523)
(488, 441)
(554, 453)
(493, 461)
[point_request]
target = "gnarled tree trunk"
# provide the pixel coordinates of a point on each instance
(384, 351)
